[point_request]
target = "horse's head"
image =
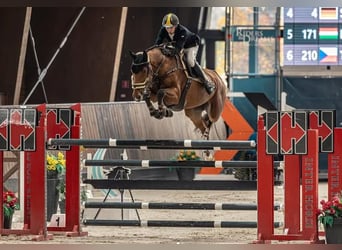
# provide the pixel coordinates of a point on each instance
(141, 77)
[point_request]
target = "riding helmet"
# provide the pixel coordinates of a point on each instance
(170, 20)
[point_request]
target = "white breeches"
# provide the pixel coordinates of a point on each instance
(190, 55)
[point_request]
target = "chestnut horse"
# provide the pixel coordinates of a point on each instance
(159, 75)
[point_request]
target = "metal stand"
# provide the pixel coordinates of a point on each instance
(119, 173)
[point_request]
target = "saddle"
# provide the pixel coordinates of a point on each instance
(170, 51)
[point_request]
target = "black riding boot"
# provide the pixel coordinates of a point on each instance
(197, 69)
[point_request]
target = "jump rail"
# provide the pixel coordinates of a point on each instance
(174, 163)
(155, 144)
(174, 205)
(173, 184)
(172, 223)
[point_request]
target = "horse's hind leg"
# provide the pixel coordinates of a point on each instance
(206, 120)
(195, 116)
(207, 123)
(216, 103)
(203, 125)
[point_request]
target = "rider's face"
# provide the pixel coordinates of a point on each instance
(171, 30)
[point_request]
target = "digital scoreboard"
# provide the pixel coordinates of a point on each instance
(312, 36)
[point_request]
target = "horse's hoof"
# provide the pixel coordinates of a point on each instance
(207, 155)
(153, 113)
(205, 134)
(158, 115)
(168, 113)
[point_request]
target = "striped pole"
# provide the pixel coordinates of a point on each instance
(173, 184)
(172, 205)
(155, 144)
(174, 163)
(173, 223)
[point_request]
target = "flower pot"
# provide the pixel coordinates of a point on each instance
(333, 235)
(186, 174)
(62, 206)
(52, 197)
(8, 221)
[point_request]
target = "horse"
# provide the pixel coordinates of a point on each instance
(159, 75)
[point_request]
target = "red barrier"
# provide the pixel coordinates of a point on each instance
(35, 169)
(334, 165)
(305, 228)
(72, 178)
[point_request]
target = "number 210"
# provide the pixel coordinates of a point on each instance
(309, 55)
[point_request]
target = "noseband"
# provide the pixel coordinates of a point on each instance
(140, 85)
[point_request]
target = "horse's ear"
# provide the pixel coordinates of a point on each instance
(133, 55)
(145, 57)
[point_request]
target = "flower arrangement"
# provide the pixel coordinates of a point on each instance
(10, 203)
(55, 164)
(330, 209)
(187, 155)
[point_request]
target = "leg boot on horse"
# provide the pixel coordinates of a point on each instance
(209, 87)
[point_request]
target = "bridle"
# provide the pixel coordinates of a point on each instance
(155, 74)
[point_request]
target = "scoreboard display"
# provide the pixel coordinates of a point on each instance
(312, 36)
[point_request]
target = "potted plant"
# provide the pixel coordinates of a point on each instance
(55, 166)
(9, 204)
(186, 155)
(330, 215)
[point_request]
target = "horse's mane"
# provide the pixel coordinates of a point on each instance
(153, 47)
(166, 49)
(141, 58)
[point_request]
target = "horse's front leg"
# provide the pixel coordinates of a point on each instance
(147, 98)
(153, 111)
(163, 110)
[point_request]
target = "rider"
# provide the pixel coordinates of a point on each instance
(172, 31)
